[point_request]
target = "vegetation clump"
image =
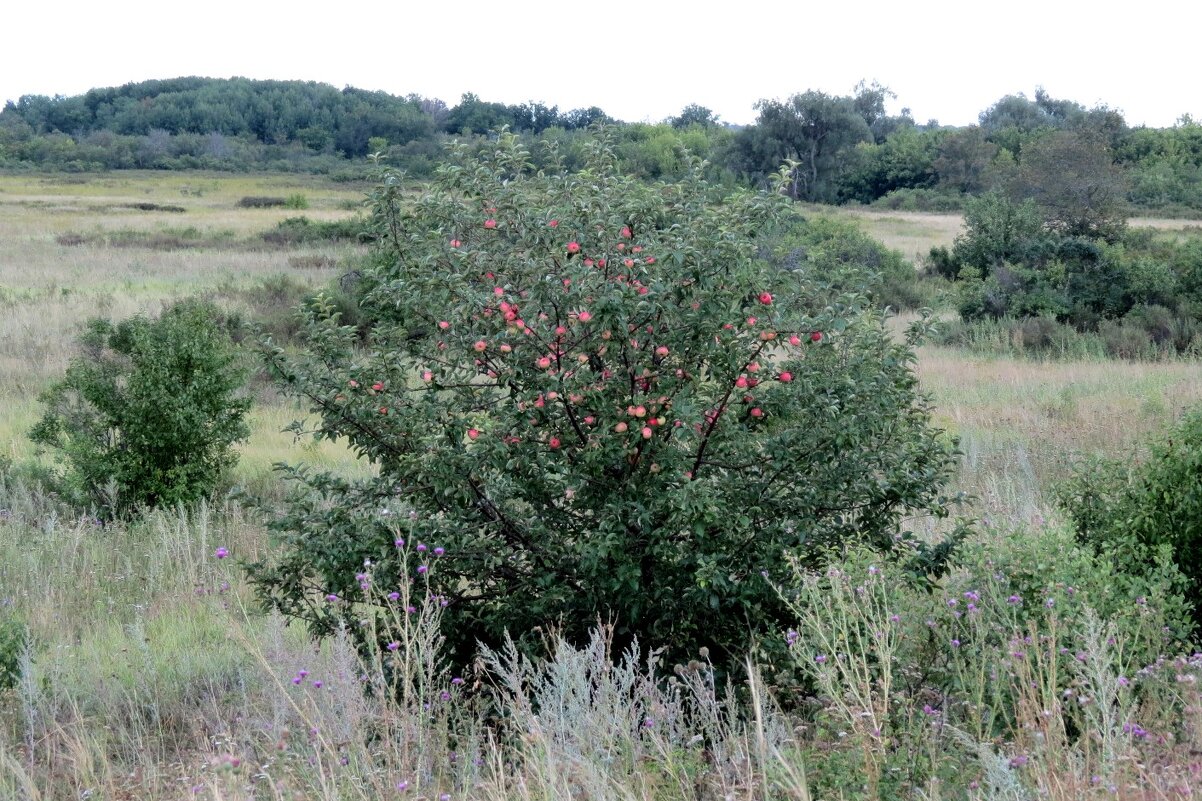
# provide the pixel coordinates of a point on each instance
(149, 414)
(587, 397)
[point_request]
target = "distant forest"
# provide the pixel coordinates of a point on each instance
(840, 149)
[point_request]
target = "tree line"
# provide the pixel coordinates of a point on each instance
(840, 148)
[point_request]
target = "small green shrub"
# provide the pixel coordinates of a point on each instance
(13, 639)
(839, 255)
(1138, 514)
(260, 202)
(297, 202)
(302, 230)
(149, 414)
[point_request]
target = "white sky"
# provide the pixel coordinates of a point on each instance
(636, 59)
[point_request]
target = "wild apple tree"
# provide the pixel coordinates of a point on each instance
(596, 402)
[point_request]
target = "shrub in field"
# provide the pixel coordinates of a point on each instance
(13, 635)
(843, 257)
(149, 414)
(1144, 514)
(261, 202)
(586, 397)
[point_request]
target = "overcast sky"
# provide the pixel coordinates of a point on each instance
(636, 59)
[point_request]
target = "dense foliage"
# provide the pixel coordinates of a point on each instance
(1145, 514)
(587, 397)
(1139, 293)
(149, 414)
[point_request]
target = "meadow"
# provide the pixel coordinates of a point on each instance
(151, 674)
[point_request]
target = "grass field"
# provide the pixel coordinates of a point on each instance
(914, 233)
(152, 675)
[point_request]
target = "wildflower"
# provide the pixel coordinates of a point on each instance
(791, 637)
(439, 551)
(317, 683)
(1014, 600)
(1018, 761)
(422, 568)
(221, 552)
(820, 659)
(457, 681)
(394, 596)
(402, 786)
(331, 597)
(444, 696)
(400, 543)
(955, 643)
(392, 646)
(421, 546)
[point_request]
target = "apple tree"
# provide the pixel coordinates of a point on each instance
(585, 397)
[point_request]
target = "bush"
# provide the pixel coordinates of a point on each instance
(1139, 514)
(260, 202)
(13, 638)
(595, 400)
(302, 230)
(840, 256)
(149, 414)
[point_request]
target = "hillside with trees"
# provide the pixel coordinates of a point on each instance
(842, 148)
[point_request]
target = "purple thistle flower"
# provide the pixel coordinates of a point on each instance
(411, 609)
(456, 681)
(400, 543)
(439, 551)
(1014, 600)
(331, 597)
(402, 786)
(955, 643)
(444, 695)
(1018, 761)
(422, 568)
(221, 552)
(421, 546)
(392, 646)
(317, 683)
(394, 596)
(296, 679)
(820, 658)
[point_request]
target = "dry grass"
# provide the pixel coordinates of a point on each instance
(914, 233)
(1022, 423)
